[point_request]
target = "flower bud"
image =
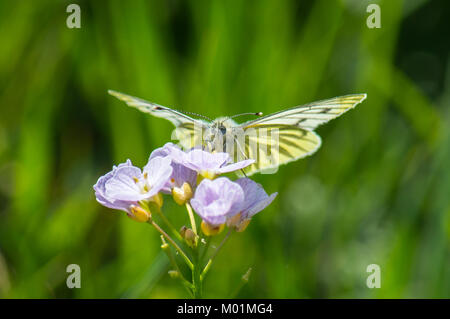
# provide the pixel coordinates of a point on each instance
(182, 194)
(139, 214)
(190, 237)
(174, 274)
(157, 200)
(246, 276)
(183, 231)
(164, 246)
(210, 230)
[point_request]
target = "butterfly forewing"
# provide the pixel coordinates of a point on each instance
(177, 118)
(187, 130)
(311, 115)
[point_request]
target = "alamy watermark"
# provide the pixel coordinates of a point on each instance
(74, 18)
(74, 279)
(374, 279)
(374, 19)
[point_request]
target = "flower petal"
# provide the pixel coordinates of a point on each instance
(198, 160)
(256, 199)
(158, 171)
(103, 198)
(235, 166)
(122, 185)
(216, 200)
(169, 149)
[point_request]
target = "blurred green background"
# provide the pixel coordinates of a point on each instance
(377, 191)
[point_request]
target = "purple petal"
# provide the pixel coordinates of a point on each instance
(236, 166)
(103, 198)
(256, 199)
(122, 185)
(198, 159)
(215, 200)
(182, 174)
(158, 172)
(169, 149)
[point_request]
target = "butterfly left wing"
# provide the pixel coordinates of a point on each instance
(188, 130)
(288, 135)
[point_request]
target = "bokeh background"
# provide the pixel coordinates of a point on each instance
(377, 191)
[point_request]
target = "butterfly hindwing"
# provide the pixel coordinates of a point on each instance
(274, 145)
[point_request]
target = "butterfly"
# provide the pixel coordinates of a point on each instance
(270, 140)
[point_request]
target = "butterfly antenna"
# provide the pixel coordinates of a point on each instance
(187, 113)
(195, 114)
(250, 113)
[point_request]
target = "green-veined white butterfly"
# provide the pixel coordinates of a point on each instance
(270, 140)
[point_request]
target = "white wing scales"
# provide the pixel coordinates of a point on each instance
(187, 130)
(295, 130)
(177, 118)
(311, 115)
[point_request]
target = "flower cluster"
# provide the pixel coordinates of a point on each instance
(192, 178)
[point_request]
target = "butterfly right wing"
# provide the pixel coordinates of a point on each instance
(273, 145)
(187, 130)
(288, 135)
(310, 116)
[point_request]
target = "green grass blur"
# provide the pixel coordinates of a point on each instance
(377, 191)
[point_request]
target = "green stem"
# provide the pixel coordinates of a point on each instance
(208, 265)
(191, 217)
(243, 281)
(205, 250)
(196, 277)
(173, 261)
(169, 224)
(174, 244)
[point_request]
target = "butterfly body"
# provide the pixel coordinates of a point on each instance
(217, 133)
(270, 140)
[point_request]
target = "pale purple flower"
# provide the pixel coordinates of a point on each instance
(255, 198)
(126, 184)
(169, 149)
(212, 164)
(104, 198)
(180, 174)
(216, 200)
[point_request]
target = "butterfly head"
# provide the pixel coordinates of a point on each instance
(217, 132)
(221, 126)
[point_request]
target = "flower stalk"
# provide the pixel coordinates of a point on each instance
(191, 218)
(174, 244)
(211, 259)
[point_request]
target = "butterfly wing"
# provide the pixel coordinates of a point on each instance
(311, 115)
(286, 136)
(275, 145)
(186, 127)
